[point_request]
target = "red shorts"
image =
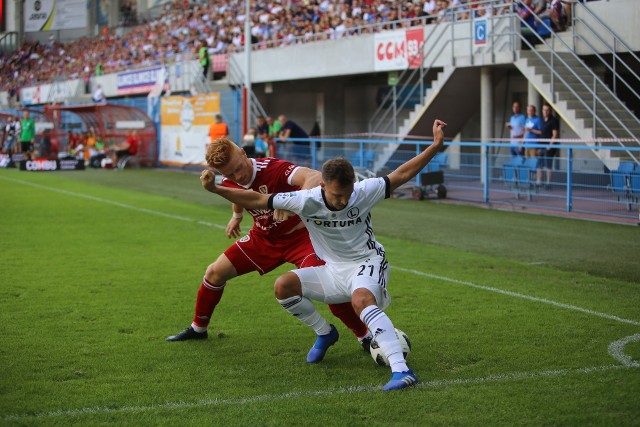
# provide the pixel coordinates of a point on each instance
(254, 252)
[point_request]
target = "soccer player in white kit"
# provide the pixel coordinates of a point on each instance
(337, 215)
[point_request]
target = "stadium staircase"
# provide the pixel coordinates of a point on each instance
(586, 102)
(591, 107)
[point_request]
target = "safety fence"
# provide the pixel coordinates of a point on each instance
(578, 178)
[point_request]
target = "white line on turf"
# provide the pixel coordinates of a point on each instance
(311, 393)
(616, 349)
(111, 202)
(517, 295)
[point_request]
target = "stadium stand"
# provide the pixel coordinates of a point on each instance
(175, 34)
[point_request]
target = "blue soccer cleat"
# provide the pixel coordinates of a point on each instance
(401, 380)
(322, 344)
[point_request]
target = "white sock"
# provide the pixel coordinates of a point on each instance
(199, 329)
(384, 333)
(304, 310)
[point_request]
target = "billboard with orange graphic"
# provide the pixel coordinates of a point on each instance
(184, 127)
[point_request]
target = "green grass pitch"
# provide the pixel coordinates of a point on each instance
(515, 319)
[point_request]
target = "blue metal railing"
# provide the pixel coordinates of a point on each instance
(578, 180)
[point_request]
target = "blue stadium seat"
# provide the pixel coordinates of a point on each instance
(369, 159)
(626, 167)
(354, 158)
(524, 174)
(438, 162)
(618, 182)
(441, 159)
(634, 183)
(509, 171)
(625, 183)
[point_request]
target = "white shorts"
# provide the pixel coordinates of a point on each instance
(334, 283)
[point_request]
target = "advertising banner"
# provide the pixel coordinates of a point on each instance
(52, 165)
(57, 92)
(397, 50)
(184, 128)
(138, 81)
(34, 95)
(48, 15)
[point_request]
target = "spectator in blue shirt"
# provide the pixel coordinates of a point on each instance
(532, 127)
(516, 128)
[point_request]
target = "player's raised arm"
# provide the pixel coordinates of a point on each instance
(244, 198)
(410, 169)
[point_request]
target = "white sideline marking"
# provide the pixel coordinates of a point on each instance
(616, 349)
(301, 394)
(111, 202)
(517, 295)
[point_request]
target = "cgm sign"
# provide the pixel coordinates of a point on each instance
(397, 50)
(391, 50)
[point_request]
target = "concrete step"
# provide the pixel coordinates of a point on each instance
(586, 95)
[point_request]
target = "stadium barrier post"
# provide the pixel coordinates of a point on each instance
(485, 186)
(569, 178)
(314, 155)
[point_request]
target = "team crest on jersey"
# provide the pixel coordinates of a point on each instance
(263, 189)
(353, 212)
(244, 239)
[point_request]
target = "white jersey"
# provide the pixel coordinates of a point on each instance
(339, 236)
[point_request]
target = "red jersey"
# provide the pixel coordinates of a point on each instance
(270, 175)
(133, 145)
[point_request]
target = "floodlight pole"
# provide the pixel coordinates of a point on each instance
(247, 68)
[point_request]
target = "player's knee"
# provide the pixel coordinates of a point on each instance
(287, 285)
(361, 299)
(212, 275)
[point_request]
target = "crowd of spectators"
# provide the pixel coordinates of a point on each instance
(185, 25)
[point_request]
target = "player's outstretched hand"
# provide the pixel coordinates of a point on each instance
(208, 180)
(233, 228)
(281, 214)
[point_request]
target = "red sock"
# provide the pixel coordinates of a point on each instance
(347, 314)
(209, 296)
